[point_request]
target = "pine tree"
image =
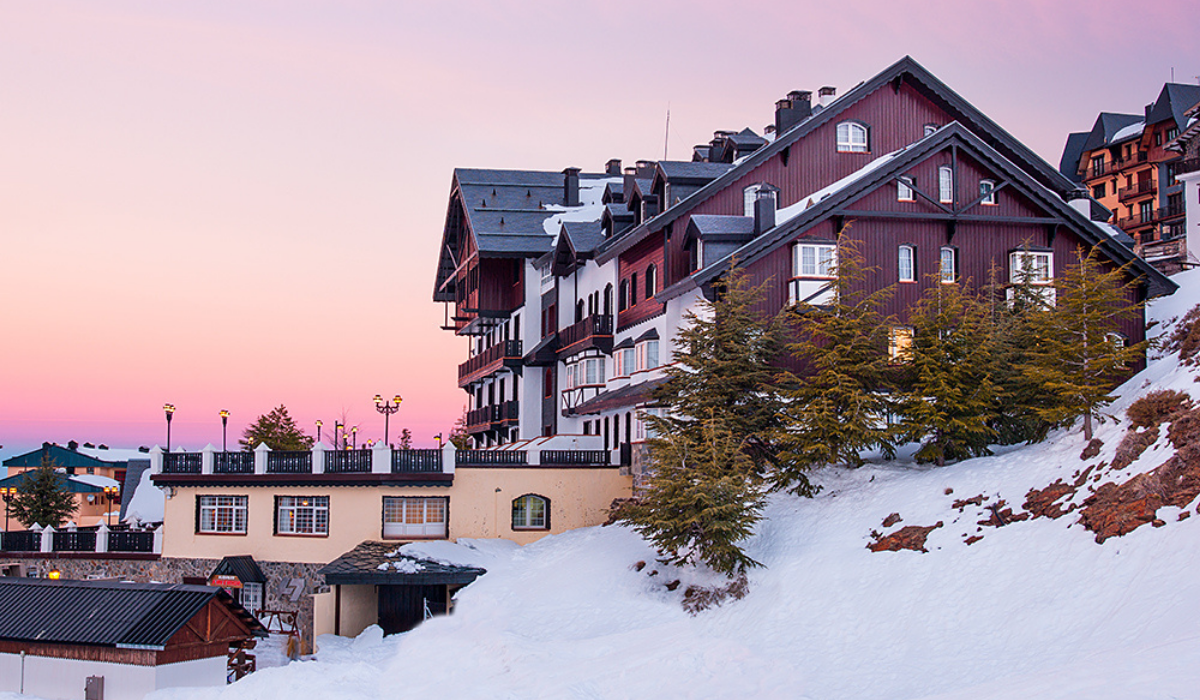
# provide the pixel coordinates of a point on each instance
(1081, 356)
(949, 403)
(703, 497)
(835, 407)
(277, 430)
(405, 439)
(42, 497)
(459, 437)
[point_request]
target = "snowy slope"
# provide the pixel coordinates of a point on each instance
(1034, 609)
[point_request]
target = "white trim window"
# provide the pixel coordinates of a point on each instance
(302, 515)
(530, 512)
(414, 517)
(906, 262)
(900, 341)
(624, 359)
(223, 514)
(945, 184)
(1037, 265)
(906, 188)
(987, 190)
(813, 265)
(852, 137)
(587, 371)
(948, 265)
(252, 597)
(647, 355)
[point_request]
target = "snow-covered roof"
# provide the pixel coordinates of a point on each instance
(95, 480)
(794, 210)
(1129, 132)
(147, 503)
(113, 454)
(590, 207)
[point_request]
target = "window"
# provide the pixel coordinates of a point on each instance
(302, 515)
(625, 362)
(946, 184)
(1098, 165)
(907, 263)
(633, 289)
(644, 427)
(252, 597)
(904, 188)
(623, 296)
(651, 280)
(414, 517)
(947, 265)
(1172, 133)
(1117, 340)
(1146, 210)
(222, 514)
(1035, 266)
(900, 340)
(851, 137)
(751, 193)
(530, 513)
(1098, 191)
(809, 261)
(930, 128)
(647, 355)
(987, 190)
(588, 371)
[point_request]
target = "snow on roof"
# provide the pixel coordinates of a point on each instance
(1128, 131)
(95, 480)
(113, 455)
(147, 503)
(590, 207)
(794, 210)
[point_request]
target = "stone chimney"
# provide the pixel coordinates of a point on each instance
(764, 212)
(613, 167)
(826, 95)
(571, 187)
(792, 110)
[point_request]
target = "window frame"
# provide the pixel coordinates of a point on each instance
(845, 137)
(952, 277)
(929, 129)
(945, 184)
(900, 353)
(520, 506)
(316, 506)
(1016, 266)
(239, 505)
(987, 196)
(828, 264)
(444, 523)
(906, 185)
(912, 262)
(651, 280)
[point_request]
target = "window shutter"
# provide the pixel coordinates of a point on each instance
(275, 518)
(197, 514)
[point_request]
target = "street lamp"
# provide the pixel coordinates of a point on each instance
(354, 434)
(224, 424)
(336, 427)
(110, 493)
(387, 408)
(318, 430)
(169, 409)
(7, 492)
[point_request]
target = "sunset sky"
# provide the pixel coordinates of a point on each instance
(238, 204)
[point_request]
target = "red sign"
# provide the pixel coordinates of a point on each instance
(225, 581)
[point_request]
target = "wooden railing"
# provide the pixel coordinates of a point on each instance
(597, 324)
(289, 462)
(416, 461)
(505, 349)
(484, 418)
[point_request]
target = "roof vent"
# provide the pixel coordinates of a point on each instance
(613, 167)
(826, 95)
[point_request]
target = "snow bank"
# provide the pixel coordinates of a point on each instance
(147, 503)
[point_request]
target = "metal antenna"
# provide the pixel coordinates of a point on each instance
(667, 136)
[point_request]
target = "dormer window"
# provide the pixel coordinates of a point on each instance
(852, 137)
(750, 195)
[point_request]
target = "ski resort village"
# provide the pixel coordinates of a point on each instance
(859, 397)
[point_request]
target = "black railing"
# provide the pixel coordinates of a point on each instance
(233, 463)
(505, 349)
(1187, 165)
(348, 462)
(21, 541)
(289, 462)
(1136, 190)
(496, 413)
(598, 324)
(181, 462)
(422, 461)
(124, 541)
(74, 541)
(1169, 212)
(490, 457)
(576, 457)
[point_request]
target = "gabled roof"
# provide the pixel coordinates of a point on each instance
(105, 613)
(1068, 165)
(72, 484)
(873, 176)
(720, 227)
(242, 566)
(904, 71)
(690, 172)
(380, 564)
(584, 236)
(1173, 102)
(1108, 125)
(747, 138)
(62, 456)
(626, 396)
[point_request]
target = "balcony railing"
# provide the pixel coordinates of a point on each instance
(489, 417)
(289, 462)
(1142, 188)
(233, 463)
(491, 457)
(416, 461)
(506, 352)
(1135, 221)
(1174, 248)
(23, 541)
(1188, 165)
(348, 462)
(1170, 211)
(99, 540)
(592, 458)
(595, 327)
(181, 463)
(1096, 170)
(78, 541)
(130, 541)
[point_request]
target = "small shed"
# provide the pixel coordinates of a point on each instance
(114, 640)
(243, 579)
(375, 584)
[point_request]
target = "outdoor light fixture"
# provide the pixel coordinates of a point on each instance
(318, 430)
(354, 435)
(54, 574)
(169, 409)
(224, 424)
(387, 408)
(111, 493)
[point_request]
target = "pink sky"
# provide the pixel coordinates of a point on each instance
(238, 204)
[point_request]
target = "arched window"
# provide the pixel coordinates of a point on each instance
(608, 299)
(633, 289)
(852, 137)
(907, 263)
(651, 280)
(623, 300)
(987, 190)
(945, 184)
(948, 265)
(531, 512)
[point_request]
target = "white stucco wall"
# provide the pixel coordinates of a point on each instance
(1191, 205)
(65, 679)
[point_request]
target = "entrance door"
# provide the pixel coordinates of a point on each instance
(402, 608)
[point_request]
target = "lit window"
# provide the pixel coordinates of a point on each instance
(851, 137)
(414, 517)
(900, 340)
(225, 514)
(946, 184)
(947, 267)
(904, 188)
(987, 190)
(302, 515)
(530, 513)
(907, 262)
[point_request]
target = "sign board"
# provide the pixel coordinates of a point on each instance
(223, 581)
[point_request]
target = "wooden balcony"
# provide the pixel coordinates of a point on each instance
(595, 331)
(1189, 165)
(506, 353)
(492, 417)
(1138, 190)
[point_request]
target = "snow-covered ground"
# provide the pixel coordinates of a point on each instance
(1033, 609)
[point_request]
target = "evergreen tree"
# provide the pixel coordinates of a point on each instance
(277, 430)
(405, 439)
(459, 437)
(42, 497)
(1081, 356)
(949, 403)
(704, 495)
(835, 406)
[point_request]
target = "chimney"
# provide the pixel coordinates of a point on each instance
(645, 169)
(792, 110)
(571, 187)
(649, 207)
(826, 95)
(764, 212)
(613, 167)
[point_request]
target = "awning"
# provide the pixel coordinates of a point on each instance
(379, 564)
(625, 397)
(243, 567)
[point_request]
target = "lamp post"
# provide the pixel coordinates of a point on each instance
(318, 430)
(7, 492)
(110, 493)
(224, 424)
(387, 408)
(169, 409)
(354, 435)
(336, 427)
